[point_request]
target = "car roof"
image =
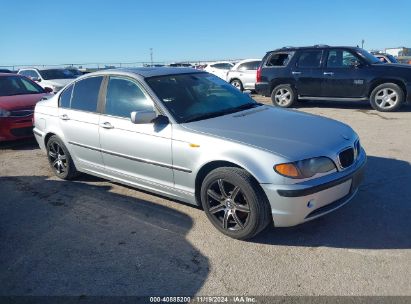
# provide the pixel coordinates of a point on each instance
(248, 60)
(149, 71)
(216, 62)
(9, 74)
(42, 69)
(317, 46)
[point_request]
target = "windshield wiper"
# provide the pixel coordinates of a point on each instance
(248, 106)
(222, 112)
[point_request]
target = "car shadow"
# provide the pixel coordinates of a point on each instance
(377, 218)
(22, 144)
(75, 238)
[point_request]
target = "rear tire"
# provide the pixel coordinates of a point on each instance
(60, 159)
(237, 84)
(235, 203)
(387, 97)
(283, 96)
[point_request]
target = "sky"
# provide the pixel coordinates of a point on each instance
(110, 31)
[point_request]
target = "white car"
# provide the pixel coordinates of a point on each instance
(220, 68)
(244, 74)
(55, 79)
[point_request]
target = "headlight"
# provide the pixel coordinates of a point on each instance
(305, 168)
(4, 113)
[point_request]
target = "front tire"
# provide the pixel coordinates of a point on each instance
(387, 97)
(60, 159)
(235, 203)
(283, 96)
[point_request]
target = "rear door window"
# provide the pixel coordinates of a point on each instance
(279, 59)
(65, 97)
(310, 59)
(85, 94)
(222, 66)
(249, 66)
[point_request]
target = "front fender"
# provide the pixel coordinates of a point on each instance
(194, 155)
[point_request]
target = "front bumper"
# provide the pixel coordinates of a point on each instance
(408, 97)
(13, 128)
(39, 136)
(295, 204)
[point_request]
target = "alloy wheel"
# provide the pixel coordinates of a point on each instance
(282, 97)
(236, 84)
(386, 98)
(57, 157)
(228, 205)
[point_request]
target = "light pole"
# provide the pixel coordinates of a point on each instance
(151, 56)
(362, 43)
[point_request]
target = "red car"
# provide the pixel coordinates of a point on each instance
(18, 97)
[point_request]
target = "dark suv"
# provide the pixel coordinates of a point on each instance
(332, 73)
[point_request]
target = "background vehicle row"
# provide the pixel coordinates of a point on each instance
(332, 73)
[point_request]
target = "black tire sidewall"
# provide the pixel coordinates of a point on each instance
(234, 176)
(391, 86)
(71, 170)
(239, 81)
(290, 89)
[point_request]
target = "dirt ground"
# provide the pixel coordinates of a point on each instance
(94, 237)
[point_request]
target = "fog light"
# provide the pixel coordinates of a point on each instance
(311, 204)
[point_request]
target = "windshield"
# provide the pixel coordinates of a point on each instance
(191, 97)
(75, 72)
(16, 85)
(368, 56)
(56, 74)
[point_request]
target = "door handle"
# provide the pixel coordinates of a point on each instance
(64, 117)
(329, 73)
(106, 125)
(296, 73)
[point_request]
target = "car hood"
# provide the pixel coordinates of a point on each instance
(16, 102)
(58, 82)
(287, 133)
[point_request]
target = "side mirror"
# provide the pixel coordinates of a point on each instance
(36, 79)
(143, 117)
(48, 90)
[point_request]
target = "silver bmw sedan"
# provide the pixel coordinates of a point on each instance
(193, 137)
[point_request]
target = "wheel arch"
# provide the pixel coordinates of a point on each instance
(207, 168)
(47, 137)
(234, 78)
(380, 81)
(279, 81)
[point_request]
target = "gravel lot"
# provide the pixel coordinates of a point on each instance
(93, 237)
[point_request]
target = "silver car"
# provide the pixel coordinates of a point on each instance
(193, 137)
(244, 74)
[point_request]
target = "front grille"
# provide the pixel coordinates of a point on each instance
(346, 157)
(20, 132)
